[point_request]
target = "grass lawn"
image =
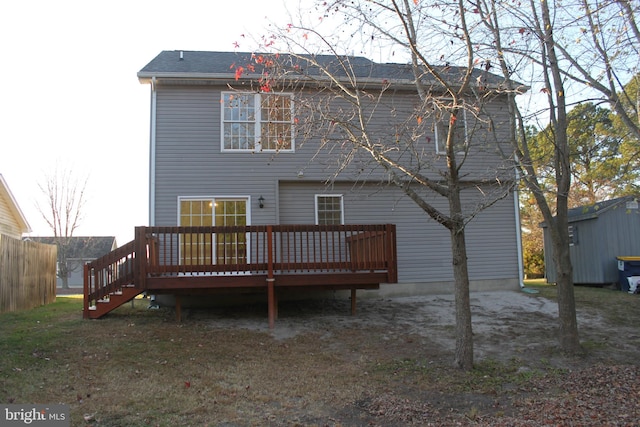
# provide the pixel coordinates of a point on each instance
(138, 367)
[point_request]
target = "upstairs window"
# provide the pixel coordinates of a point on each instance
(257, 122)
(329, 210)
(443, 123)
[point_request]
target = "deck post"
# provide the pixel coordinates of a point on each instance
(178, 308)
(392, 255)
(271, 296)
(140, 264)
(353, 301)
(85, 311)
(271, 292)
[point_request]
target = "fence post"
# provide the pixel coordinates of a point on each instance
(140, 264)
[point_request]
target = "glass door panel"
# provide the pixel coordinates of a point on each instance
(231, 248)
(196, 248)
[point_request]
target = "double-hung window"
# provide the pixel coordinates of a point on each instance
(257, 122)
(443, 121)
(329, 210)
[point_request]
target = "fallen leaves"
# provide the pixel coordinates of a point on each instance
(594, 396)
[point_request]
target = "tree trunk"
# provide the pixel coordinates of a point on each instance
(568, 334)
(65, 282)
(464, 333)
(568, 324)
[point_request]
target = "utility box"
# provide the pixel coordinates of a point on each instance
(629, 273)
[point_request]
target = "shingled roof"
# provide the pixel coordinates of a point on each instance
(178, 64)
(582, 213)
(593, 211)
(82, 247)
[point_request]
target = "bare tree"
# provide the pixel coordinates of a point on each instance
(563, 48)
(542, 27)
(374, 136)
(572, 52)
(605, 54)
(65, 201)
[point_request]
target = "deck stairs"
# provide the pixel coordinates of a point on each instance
(112, 301)
(109, 282)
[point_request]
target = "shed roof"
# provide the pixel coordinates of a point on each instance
(181, 64)
(582, 213)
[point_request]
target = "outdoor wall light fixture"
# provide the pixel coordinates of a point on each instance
(261, 202)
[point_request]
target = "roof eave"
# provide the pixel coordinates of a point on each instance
(225, 78)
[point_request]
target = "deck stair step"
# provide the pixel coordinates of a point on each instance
(112, 301)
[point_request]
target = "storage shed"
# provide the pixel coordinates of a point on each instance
(599, 234)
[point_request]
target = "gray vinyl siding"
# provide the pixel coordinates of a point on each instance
(424, 246)
(189, 163)
(615, 232)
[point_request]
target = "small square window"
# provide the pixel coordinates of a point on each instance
(441, 131)
(329, 210)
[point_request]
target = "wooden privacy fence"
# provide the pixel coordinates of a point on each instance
(27, 274)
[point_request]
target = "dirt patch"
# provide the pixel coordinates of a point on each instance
(390, 365)
(405, 347)
(506, 325)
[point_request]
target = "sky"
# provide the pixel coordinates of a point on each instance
(70, 97)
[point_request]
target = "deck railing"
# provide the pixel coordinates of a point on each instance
(109, 273)
(268, 250)
(281, 249)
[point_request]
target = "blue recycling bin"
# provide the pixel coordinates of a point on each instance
(628, 267)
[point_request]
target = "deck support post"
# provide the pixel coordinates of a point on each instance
(353, 301)
(271, 291)
(178, 308)
(85, 309)
(273, 304)
(140, 265)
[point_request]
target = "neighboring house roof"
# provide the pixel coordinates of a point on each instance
(585, 212)
(13, 207)
(86, 247)
(180, 64)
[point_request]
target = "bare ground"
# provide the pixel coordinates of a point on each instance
(507, 325)
(390, 365)
(522, 378)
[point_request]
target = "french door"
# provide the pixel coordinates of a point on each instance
(217, 248)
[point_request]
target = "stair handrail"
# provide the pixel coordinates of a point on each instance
(107, 274)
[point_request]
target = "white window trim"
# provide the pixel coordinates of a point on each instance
(436, 136)
(213, 200)
(329, 195)
(257, 123)
(573, 235)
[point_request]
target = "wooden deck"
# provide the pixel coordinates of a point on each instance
(199, 260)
